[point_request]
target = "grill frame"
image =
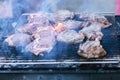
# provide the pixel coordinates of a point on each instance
(109, 61)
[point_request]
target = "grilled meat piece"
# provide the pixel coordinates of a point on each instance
(70, 36)
(60, 27)
(42, 18)
(18, 39)
(40, 45)
(96, 18)
(44, 41)
(62, 15)
(29, 28)
(44, 32)
(72, 24)
(93, 31)
(91, 49)
(35, 21)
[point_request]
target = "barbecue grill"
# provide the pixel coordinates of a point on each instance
(63, 57)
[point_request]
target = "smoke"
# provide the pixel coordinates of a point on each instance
(97, 6)
(49, 5)
(13, 17)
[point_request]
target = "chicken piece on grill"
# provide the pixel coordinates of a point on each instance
(70, 36)
(93, 31)
(62, 15)
(60, 28)
(29, 28)
(44, 32)
(18, 39)
(40, 45)
(34, 22)
(91, 49)
(44, 41)
(43, 18)
(72, 24)
(96, 18)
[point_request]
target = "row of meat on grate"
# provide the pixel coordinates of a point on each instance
(43, 30)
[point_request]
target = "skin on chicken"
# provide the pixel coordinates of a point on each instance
(91, 49)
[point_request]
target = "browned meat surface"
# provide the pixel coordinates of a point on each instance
(18, 39)
(91, 49)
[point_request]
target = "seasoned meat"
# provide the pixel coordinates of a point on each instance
(18, 39)
(62, 15)
(40, 45)
(91, 49)
(70, 36)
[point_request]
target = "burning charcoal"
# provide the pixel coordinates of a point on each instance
(18, 39)
(91, 49)
(60, 27)
(40, 45)
(62, 15)
(70, 36)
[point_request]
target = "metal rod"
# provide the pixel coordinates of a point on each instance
(29, 63)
